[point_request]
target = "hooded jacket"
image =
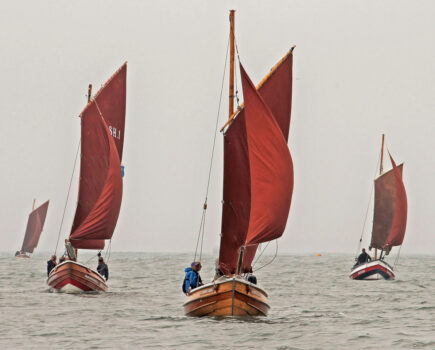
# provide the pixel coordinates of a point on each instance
(192, 279)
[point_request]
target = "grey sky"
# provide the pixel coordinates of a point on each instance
(360, 67)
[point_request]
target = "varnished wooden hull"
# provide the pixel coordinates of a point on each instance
(71, 276)
(229, 297)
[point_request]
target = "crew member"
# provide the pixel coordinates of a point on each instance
(51, 264)
(192, 279)
(102, 268)
(363, 257)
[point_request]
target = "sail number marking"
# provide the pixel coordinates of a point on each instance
(116, 133)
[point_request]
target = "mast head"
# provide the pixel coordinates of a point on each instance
(89, 92)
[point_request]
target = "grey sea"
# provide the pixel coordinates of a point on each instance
(314, 305)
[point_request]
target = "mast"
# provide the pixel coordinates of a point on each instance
(231, 92)
(231, 111)
(381, 170)
(33, 205)
(89, 92)
(76, 251)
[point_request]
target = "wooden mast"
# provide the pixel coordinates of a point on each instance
(89, 92)
(231, 92)
(76, 251)
(381, 167)
(381, 170)
(33, 205)
(231, 111)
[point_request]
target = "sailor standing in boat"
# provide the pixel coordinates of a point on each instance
(102, 268)
(51, 264)
(192, 279)
(363, 258)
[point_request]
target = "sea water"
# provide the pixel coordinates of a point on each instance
(314, 305)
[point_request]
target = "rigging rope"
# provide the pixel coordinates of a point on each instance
(67, 197)
(368, 207)
(273, 259)
(258, 257)
(202, 224)
(108, 251)
(397, 257)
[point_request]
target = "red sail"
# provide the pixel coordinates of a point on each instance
(276, 90)
(111, 100)
(390, 213)
(100, 191)
(271, 168)
(34, 228)
(247, 161)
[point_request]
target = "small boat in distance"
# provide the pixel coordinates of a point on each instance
(257, 190)
(100, 186)
(35, 224)
(389, 222)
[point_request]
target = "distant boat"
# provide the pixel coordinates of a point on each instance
(100, 187)
(258, 187)
(389, 221)
(35, 224)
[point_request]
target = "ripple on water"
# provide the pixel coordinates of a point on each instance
(143, 308)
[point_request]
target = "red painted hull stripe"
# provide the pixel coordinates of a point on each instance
(371, 268)
(74, 283)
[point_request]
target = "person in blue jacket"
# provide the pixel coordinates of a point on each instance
(192, 279)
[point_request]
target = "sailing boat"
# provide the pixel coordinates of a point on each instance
(100, 186)
(257, 190)
(389, 221)
(35, 224)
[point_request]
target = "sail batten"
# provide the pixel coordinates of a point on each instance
(35, 224)
(100, 190)
(390, 210)
(258, 170)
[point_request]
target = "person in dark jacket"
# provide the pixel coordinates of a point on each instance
(192, 279)
(102, 268)
(363, 257)
(51, 264)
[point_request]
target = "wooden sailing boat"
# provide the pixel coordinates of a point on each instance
(257, 191)
(100, 187)
(35, 224)
(389, 221)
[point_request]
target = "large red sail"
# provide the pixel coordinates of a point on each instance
(111, 101)
(34, 228)
(249, 148)
(100, 191)
(390, 212)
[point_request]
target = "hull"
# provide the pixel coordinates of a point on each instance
(22, 256)
(72, 277)
(373, 270)
(227, 297)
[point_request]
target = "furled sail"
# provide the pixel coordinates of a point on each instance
(100, 191)
(258, 170)
(390, 212)
(34, 228)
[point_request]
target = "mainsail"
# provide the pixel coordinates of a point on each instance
(34, 228)
(258, 170)
(100, 191)
(390, 212)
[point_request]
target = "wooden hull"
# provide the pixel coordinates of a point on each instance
(373, 270)
(72, 277)
(227, 297)
(22, 256)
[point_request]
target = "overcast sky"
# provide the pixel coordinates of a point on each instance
(361, 68)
